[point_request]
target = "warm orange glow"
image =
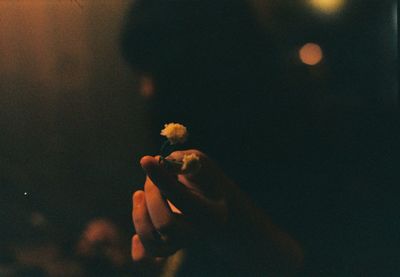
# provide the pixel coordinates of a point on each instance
(146, 86)
(327, 6)
(310, 54)
(45, 41)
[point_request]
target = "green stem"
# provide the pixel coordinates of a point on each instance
(164, 148)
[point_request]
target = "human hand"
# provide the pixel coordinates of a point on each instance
(211, 211)
(161, 227)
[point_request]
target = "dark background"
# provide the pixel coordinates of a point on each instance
(73, 124)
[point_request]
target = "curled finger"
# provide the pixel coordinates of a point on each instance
(149, 236)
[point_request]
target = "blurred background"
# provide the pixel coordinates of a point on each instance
(75, 118)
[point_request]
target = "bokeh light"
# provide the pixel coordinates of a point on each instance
(37, 219)
(146, 86)
(327, 6)
(310, 54)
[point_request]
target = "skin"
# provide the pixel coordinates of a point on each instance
(208, 210)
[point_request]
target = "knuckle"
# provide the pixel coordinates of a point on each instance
(140, 225)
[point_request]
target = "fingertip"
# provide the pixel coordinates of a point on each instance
(145, 159)
(138, 198)
(137, 251)
(134, 193)
(148, 162)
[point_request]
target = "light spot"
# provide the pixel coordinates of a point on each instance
(327, 6)
(310, 54)
(146, 86)
(37, 219)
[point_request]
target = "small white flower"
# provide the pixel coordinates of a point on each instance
(175, 133)
(190, 163)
